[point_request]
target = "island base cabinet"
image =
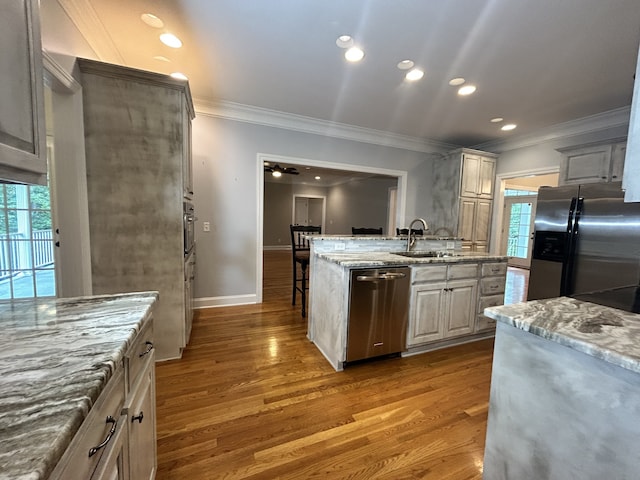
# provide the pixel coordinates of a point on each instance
(142, 426)
(113, 464)
(98, 434)
(442, 310)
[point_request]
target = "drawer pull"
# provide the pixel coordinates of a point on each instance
(148, 350)
(94, 450)
(137, 417)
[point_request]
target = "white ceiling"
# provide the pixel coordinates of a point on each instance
(535, 62)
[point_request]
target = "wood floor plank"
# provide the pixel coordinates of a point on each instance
(252, 398)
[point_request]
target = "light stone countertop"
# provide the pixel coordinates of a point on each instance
(603, 332)
(377, 237)
(388, 259)
(57, 356)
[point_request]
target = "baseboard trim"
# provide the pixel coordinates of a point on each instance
(277, 247)
(229, 301)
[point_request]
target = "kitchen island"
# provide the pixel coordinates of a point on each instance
(565, 392)
(447, 293)
(59, 356)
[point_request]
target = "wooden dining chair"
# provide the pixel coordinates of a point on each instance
(366, 231)
(405, 231)
(300, 253)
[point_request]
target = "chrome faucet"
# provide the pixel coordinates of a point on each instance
(411, 239)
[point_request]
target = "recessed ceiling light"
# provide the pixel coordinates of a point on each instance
(307, 168)
(179, 76)
(170, 40)
(344, 41)
(415, 74)
(151, 20)
(317, 177)
(266, 164)
(508, 126)
(160, 58)
(354, 54)
(454, 82)
(466, 90)
(405, 64)
(497, 120)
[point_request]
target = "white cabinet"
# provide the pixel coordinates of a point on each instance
(492, 285)
(443, 302)
(22, 127)
(592, 163)
(478, 174)
(137, 128)
(117, 440)
(474, 223)
(462, 193)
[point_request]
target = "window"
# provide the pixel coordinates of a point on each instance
(27, 266)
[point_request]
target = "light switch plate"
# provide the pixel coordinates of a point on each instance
(206, 226)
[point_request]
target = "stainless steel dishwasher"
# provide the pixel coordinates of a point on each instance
(378, 312)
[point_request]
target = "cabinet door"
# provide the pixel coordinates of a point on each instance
(142, 426)
(466, 218)
(426, 313)
(482, 221)
(460, 298)
(585, 165)
(618, 154)
(487, 175)
(22, 132)
(471, 165)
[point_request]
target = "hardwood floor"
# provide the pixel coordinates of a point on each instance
(252, 398)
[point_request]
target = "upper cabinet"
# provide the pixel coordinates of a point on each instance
(478, 174)
(22, 129)
(593, 163)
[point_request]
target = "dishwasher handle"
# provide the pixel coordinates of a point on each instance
(381, 276)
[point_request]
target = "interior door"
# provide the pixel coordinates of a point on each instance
(517, 238)
(301, 211)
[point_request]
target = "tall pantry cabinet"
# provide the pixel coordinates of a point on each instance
(137, 128)
(463, 183)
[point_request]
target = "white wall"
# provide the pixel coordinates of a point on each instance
(226, 189)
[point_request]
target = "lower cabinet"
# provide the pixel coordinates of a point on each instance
(448, 301)
(117, 440)
(443, 302)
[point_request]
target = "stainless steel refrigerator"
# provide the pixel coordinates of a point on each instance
(586, 239)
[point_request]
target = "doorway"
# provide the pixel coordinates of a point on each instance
(519, 215)
(309, 210)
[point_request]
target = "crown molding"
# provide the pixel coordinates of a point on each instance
(86, 20)
(618, 117)
(57, 72)
(288, 121)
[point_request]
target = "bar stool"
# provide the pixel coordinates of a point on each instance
(300, 251)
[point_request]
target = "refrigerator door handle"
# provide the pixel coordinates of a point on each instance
(568, 265)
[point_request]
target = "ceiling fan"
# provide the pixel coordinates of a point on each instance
(277, 170)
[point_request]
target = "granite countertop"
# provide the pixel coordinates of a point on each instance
(57, 356)
(388, 259)
(603, 332)
(378, 237)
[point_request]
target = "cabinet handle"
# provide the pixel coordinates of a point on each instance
(94, 450)
(148, 350)
(137, 417)
(614, 176)
(603, 178)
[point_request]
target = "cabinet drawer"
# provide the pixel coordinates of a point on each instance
(465, 270)
(494, 269)
(76, 462)
(136, 356)
(429, 274)
(492, 285)
(491, 301)
(485, 323)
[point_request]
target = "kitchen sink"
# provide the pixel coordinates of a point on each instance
(425, 254)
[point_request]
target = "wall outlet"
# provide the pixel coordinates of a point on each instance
(206, 226)
(340, 246)
(451, 245)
